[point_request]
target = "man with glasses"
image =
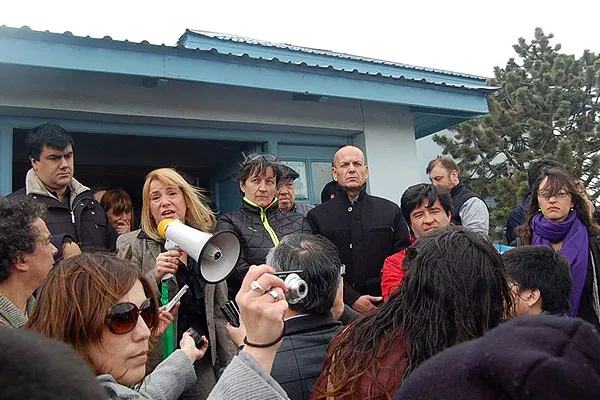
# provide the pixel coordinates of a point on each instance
(366, 229)
(26, 257)
(71, 209)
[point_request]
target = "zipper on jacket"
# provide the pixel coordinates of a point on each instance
(72, 217)
(265, 221)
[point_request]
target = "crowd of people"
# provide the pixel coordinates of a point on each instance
(404, 302)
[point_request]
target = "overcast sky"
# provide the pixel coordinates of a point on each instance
(460, 35)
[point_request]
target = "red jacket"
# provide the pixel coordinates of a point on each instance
(392, 273)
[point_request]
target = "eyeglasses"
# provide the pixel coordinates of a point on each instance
(547, 193)
(122, 318)
(261, 156)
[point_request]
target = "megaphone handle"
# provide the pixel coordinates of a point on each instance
(171, 245)
(168, 340)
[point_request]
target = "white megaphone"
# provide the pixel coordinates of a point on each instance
(216, 254)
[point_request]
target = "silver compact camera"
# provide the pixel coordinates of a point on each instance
(297, 287)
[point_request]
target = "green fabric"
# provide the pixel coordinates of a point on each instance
(168, 337)
(265, 220)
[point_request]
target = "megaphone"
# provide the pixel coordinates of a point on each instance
(216, 254)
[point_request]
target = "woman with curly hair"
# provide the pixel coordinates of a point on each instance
(455, 290)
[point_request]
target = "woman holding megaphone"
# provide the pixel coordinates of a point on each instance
(166, 194)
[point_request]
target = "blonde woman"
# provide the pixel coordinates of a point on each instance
(166, 194)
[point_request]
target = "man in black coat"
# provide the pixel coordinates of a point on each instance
(72, 211)
(366, 229)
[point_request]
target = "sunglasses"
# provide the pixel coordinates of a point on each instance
(261, 156)
(122, 318)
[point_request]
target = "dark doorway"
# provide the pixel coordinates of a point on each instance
(113, 161)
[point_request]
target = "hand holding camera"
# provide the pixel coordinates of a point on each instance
(193, 345)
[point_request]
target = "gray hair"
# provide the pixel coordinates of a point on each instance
(319, 261)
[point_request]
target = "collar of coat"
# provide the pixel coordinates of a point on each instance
(11, 314)
(342, 194)
(310, 322)
(34, 186)
(254, 208)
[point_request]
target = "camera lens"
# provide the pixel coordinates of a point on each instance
(297, 288)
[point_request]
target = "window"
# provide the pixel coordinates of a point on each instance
(321, 175)
(301, 183)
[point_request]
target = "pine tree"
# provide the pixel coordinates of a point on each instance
(547, 106)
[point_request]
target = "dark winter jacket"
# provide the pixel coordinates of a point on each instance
(516, 217)
(590, 294)
(536, 357)
(259, 229)
(81, 218)
(299, 360)
(365, 233)
(591, 287)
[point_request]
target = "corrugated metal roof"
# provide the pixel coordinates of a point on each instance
(328, 53)
(336, 61)
(403, 72)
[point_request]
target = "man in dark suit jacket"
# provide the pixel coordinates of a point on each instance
(366, 229)
(309, 324)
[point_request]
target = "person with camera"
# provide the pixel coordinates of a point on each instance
(309, 322)
(262, 305)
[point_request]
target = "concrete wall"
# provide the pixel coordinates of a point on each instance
(213, 106)
(385, 131)
(391, 152)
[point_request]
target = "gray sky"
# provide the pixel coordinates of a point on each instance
(460, 35)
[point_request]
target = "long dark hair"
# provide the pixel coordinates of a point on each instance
(558, 179)
(455, 290)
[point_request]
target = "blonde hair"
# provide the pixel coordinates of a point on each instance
(198, 214)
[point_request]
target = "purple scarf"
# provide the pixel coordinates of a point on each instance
(575, 247)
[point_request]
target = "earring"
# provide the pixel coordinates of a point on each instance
(571, 208)
(539, 210)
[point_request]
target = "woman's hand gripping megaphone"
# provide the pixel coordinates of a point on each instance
(167, 263)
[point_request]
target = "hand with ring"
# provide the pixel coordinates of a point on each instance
(166, 263)
(254, 285)
(262, 305)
